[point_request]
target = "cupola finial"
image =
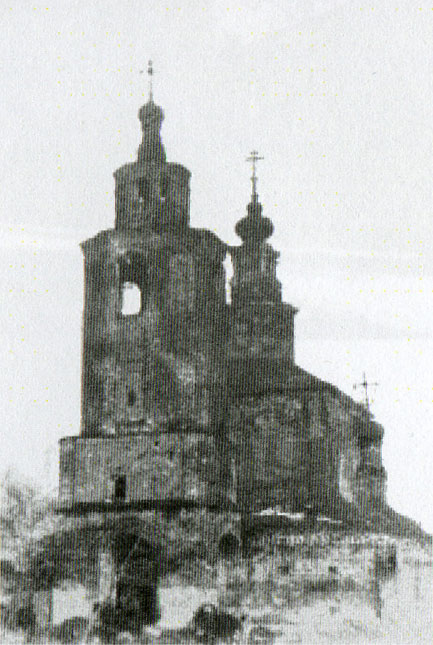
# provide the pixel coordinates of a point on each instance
(254, 158)
(150, 75)
(151, 117)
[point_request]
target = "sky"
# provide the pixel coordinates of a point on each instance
(337, 98)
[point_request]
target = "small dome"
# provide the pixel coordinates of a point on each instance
(254, 227)
(151, 117)
(150, 114)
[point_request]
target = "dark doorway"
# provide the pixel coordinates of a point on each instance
(228, 545)
(120, 488)
(137, 580)
(137, 603)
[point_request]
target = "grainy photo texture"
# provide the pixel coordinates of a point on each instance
(217, 411)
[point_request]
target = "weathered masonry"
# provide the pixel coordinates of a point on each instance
(187, 400)
(207, 458)
(200, 435)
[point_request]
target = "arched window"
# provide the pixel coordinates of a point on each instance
(268, 265)
(132, 398)
(120, 488)
(163, 187)
(131, 299)
(144, 191)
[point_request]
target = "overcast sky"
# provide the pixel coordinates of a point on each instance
(337, 96)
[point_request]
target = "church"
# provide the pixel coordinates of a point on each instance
(203, 445)
(193, 401)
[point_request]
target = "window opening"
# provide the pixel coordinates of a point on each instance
(132, 397)
(267, 264)
(143, 189)
(131, 299)
(228, 276)
(163, 188)
(120, 488)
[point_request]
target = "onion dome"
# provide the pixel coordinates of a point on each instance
(254, 228)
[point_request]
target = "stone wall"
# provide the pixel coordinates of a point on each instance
(265, 329)
(304, 447)
(161, 364)
(281, 461)
(147, 468)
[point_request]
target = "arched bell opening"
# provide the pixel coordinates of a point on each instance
(144, 190)
(133, 283)
(130, 299)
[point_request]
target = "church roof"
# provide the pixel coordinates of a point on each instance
(260, 376)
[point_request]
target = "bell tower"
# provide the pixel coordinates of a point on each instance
(154, 322)
(154, 300)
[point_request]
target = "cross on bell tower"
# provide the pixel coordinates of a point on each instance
(150, 73)
(254, 158)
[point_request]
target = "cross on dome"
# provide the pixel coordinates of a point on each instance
(150, 73)
(254, 158)
(365, 385)
(151, 117)
(254, 227)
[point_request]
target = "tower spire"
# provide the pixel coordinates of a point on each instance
(151, 117)
(150, 75)
(255, 288)
(254, 158)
